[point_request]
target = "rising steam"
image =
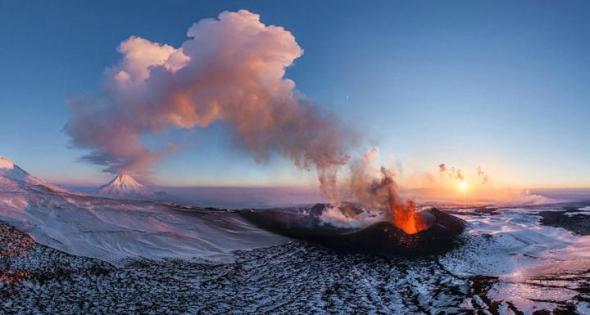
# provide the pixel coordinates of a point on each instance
(231, 70)
(375, 189)
(482, 175)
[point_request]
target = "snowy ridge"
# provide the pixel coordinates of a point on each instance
(14, 178)
(114, 229)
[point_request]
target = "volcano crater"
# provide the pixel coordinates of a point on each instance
(382, 237)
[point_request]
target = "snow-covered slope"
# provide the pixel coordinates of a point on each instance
(124, 187)
(111, 229)
(14, 178)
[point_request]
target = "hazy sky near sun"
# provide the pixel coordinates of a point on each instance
(501, 84)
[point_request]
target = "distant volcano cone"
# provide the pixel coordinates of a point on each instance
(125, 187)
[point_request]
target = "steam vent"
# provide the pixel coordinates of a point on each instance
(381, 238)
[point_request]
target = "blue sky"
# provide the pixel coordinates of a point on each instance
(502, 84)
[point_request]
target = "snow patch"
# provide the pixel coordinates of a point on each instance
(335, 217)
(112, 230)
(515, 247)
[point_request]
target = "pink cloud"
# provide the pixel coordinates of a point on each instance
(231, 70)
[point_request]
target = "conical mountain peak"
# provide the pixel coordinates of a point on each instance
(124, 186)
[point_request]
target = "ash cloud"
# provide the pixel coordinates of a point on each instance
(232, 70)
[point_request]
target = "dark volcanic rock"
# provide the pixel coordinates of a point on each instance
(381, 237)
(576, 222)
(294, 278)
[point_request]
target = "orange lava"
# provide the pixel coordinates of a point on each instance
(405, 217)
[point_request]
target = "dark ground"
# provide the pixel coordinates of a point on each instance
(295, 278)
(570, 219)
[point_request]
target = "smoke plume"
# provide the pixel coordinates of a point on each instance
(375, 189)
(231, 70)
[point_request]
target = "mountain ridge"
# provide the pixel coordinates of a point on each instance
(12, 177)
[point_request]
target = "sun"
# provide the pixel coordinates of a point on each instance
(463, 185)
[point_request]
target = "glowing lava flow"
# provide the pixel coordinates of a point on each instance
(405, 217)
